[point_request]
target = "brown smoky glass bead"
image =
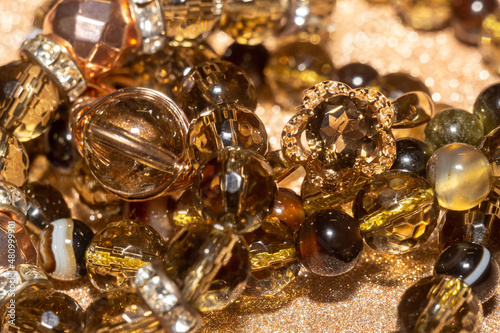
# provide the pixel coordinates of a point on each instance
(288, 208)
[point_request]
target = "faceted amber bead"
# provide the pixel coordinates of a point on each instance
(117, 251)
(440, 303)
(120, 310)
(236, 187)
(468, 15)
(28, 99)
(212, 83)
(210, 265)
(251, 22)
(461, 176)
(22, 277)
(185, 211)
(288, 208)
(397, 211)
(13, 233)
(394, 85)
(273, 258)
(15, 162)
(425, 14)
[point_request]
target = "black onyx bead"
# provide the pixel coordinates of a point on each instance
(61, 152)
(252, 58)
(468, 16)
(394, 85)
(356, 74)
(329, 242)
(411, 155)
(473, 264)
(487, 107)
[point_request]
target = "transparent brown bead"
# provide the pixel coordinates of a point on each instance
(425, 14)
(120, 310)
(210, 265)
(44, 311)
(440, 303)
(225, 125)
(273, 258)
(185, 211)
(212, 83)
(235, 187)
(251, 22)
(397, 211)
(21, 277)
(288, 208)
(117, 251)
(190, 21)
(133, 142)
(107, 37)
(15, 162)
(28, 99)
(413, 109)
(13, 233)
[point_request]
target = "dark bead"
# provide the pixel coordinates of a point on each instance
(356, 74)
(411, 155)
(61, 152)
(394, 85)
(252, 58)
(487, 107)
(288, 208)
(473, 264)
(468, 16)
(329, 242)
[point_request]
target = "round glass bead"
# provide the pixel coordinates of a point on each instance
(288, 208)
(486, 107)
(411, 155)
(251, 58)
(251, 22)
(468, 16)
(61, 248)
(28, 99)
(212, 83)
(210, 265)
(425, 14)
(15, 162)
(236, 187)
(440, 303)
(397, 211)
(394, 85)
(329, 242)
(461, 176)
(356, 74)
(473, 264)
(453, 125)
(273, 258)
(60, 142)
(120, 310)
(13, 233)
(14, 280)
(117, 251)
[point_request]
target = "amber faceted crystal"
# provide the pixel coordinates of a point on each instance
(16, 279)
(15, 162)
(288, 208)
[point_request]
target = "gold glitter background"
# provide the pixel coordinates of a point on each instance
(365, 299)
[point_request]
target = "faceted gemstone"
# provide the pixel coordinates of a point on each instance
(411, 155)
(225, 125)
(468, 15)
(394, 85)
(413, 109)
(329, 242)
(212, 83)
(251, 58)
(28, 99)
(60, 141)
(149, 17)
(13, 201)
(453, 125)
(61, 248)
(117, 251)
(356, 74)
(273, 258)
(15, 242)
(120, 310)
(236, 187)
(45, 311)
(210, 265)
(461, 176)
(397, 211)
(440, 303)
(185, 211)
(288, 208)
(252, 22)
(425, 14)
(295, 67)
(17, 279)
(473, 264)
(488, 46)
(15, 162)
(486, 107)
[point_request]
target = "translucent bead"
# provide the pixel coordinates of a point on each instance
(120, 310)
(356, 75)
(13, 233)
(117, 251)
(190, 21)
(411, 155)
(15, 162)
(251, 58)
(461, 176)
(288, 208)
(440, 303)
(209, 264)
(14, 280)
(412, 109)
(28, 99)
(473, 264)
(61, 249)
(235, 187)
(212, 83)
(488, 47)
(251, 22)
(468, 15)
(134, 142)
(272, 256)
(396, 84)
(425, 14)
(329, 242)
(490, 145)
(485, 106)
(397, 211)
(185, 211)
(225, 125)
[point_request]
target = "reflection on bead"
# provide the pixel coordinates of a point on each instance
(411, 155)
(185, 211)
(397, 211)
(15, 162)
(440, 303)
(288, 208)
(356, 75)
(425, 14)
(394, 85)
(329, 242)
(22, 277)
(468, 15)
(461, 176)
(412, 109)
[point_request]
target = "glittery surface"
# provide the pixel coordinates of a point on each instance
(365, 299)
